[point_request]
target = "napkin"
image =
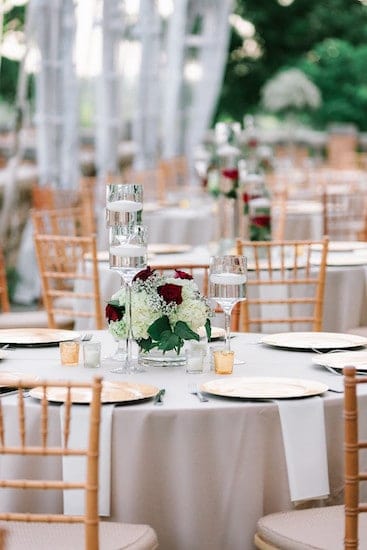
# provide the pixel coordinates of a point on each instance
(304, 439)
(74, 467)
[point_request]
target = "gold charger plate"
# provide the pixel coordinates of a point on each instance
(35, 336)
(314, 340)
(264, 387)
(112, 392)
(12, 376)
(357, 359)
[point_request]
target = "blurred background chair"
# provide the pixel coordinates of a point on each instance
(70, 281)
(326, 528)
(284, 287)
(16, 319)
(74, 222)
(344, 215)
(45, 530)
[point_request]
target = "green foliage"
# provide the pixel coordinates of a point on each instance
(339, 70)
(163, 337)
(286, 34)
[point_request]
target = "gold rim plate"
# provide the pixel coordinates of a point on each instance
(216, 334)
(36, 336)
(264, 387)
(357, 359)
(314, 340)
(167, 248)
(112, 392)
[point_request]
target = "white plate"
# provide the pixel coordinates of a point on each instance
(314, 340)
(340, 260)
(264, 387)
(36, 336)
(341, 246)
(216, 333)
(357, 359)
(112, 392)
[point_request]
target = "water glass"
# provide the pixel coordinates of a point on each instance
(92, 354)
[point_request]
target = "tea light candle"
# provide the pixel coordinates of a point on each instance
(128, 250)
(92, 354)
(124, 206)
(228, 278)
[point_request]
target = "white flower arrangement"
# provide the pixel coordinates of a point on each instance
(165, 311)
(290, 89)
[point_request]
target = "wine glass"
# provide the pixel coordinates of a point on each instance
(227, 286)
(124, 204)
(128, 256)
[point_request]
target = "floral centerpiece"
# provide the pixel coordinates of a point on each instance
(165, 311)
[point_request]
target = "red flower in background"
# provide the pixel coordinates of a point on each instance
(182, 274)
(261, 221)
(230, 173)
(170, 293)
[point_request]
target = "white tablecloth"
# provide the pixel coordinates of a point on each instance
(200, 473)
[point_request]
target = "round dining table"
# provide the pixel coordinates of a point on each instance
(200, 473)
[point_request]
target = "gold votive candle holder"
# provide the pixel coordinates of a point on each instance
(69, 353)
(223, 361)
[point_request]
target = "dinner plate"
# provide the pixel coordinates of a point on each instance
(36, 336)
(167, 248)
(314, 340)
(341, 246)
(357, 359)
(340, 260)
(216, 333)
(263, 387)
(112, 392)
(11, 376)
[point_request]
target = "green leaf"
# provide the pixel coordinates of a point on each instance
(208, 329)
(146, 344)
(184, 331)
(168, 341)
(158, 327)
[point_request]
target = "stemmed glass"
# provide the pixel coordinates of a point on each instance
(227, 286)
(128, 256)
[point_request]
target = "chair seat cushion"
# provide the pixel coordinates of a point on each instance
(60, 536)
(313, 529)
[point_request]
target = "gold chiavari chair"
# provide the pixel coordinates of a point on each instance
(153, 182)
(69, 275)
(175, 173)
(330, 527)
(344, 215)
(62, 221)
(284, 285)
(45, 530)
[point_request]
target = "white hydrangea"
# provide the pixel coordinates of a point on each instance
(192, 312)
(118, 329)
(290, 89)
(143, 314)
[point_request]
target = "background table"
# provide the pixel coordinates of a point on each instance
(200, 473)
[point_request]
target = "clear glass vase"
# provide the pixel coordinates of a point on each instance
(156, 358)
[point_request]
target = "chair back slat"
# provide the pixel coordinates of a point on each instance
(4, 297)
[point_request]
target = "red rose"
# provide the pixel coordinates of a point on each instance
(261, 221)
(245, 198)
(114, 313)
(182, 274)
(230, 173)
(144, 274)
(170, 293)
(252, 142)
